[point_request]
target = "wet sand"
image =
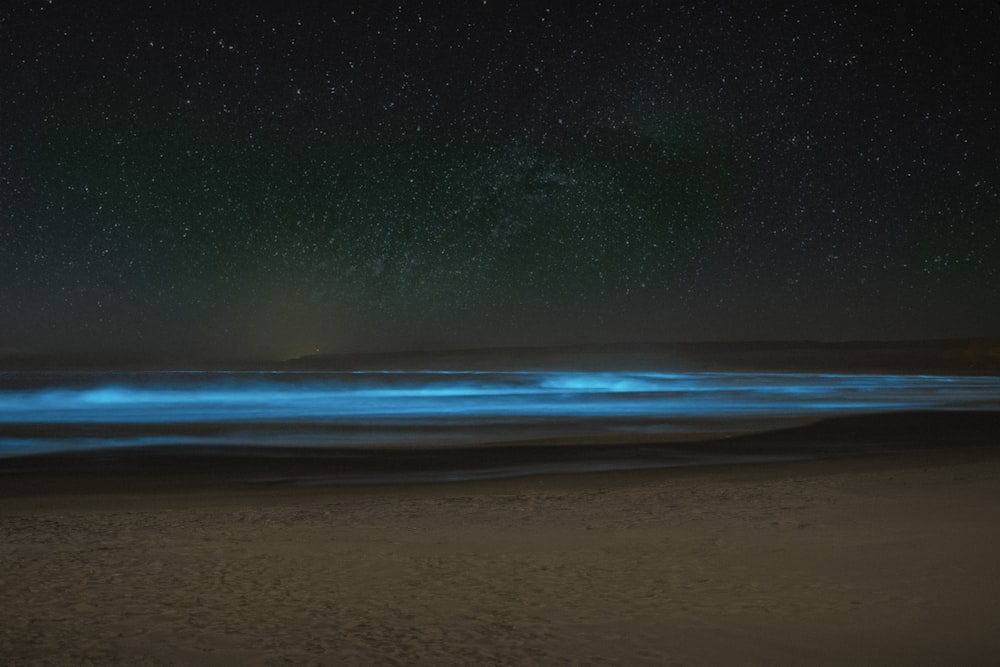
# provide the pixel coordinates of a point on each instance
(888, 560)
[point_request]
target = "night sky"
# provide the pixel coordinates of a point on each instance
(180, 181)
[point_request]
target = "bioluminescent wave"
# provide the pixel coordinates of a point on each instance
(66, 411)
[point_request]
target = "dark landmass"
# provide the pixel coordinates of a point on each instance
(966, 356)
(972, 356)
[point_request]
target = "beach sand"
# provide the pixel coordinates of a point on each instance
(878, 560)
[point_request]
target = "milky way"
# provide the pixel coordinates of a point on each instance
(271, 182)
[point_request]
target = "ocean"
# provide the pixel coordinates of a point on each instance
(42, 412)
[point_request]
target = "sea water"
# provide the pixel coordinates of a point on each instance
(61, 411)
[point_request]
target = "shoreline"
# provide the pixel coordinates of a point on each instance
(62, 491)
(191, 468)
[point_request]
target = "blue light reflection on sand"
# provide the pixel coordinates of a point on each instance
(69, 410)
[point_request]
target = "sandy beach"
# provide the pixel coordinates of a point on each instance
(875, 560)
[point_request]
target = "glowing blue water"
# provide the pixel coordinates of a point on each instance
(58, 411)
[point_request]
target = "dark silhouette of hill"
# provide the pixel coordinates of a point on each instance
(973, 356)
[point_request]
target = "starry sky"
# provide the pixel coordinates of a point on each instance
(192, 180)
